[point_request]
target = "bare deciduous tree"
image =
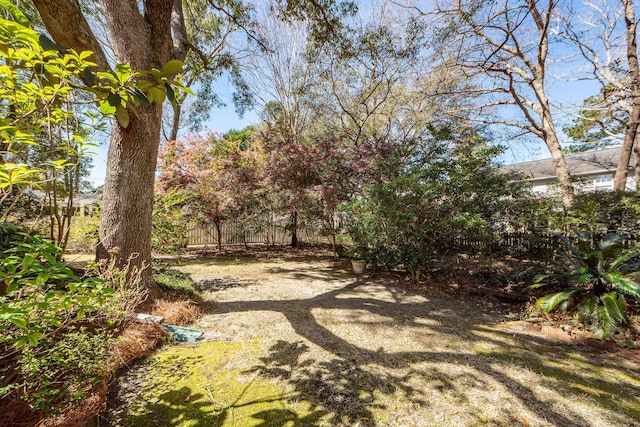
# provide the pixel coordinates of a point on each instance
(504, 48)
(610, 49)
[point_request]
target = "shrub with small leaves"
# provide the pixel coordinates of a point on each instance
(67, 369)
(55, 327)
(170, 224)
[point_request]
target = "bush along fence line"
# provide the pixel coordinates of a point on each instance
(519, 243)
(512, 243)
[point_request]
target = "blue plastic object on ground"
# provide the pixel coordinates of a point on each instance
(180, 333)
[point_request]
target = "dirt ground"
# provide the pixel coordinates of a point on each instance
(301, 341)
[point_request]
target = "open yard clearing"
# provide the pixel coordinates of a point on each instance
(303, 342)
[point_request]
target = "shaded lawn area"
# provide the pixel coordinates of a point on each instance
(305, 343)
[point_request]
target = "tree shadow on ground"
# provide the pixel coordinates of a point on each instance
(340, 388)
(221, 283)
(347, 385)
(311, 273)
(152, 394)
(177, 406)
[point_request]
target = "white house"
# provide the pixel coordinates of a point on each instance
(591, 170)
(83, 203)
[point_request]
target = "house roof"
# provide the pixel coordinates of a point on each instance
(580, 164)
(82, 199)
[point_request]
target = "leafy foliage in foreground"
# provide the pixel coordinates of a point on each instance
(595, 279)
(56, 327)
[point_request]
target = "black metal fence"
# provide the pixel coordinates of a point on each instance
(524, 243)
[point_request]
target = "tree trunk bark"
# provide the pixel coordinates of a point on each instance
(125, 220)
(562, 171)
(636, 156)
(550, 137)
(548, 133)
(175, 123)
(141, 36)
(631, 133)
(622, 169)
(218, 234)
(142, 40)
(56, 16)
(294, 229)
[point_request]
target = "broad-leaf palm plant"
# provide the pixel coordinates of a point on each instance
(596, 279)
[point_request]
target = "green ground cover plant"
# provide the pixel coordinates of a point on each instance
(595, 279)
(172, 280)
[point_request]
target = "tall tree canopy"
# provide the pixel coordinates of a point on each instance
(606, 36)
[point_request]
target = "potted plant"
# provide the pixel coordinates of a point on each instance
(356, 255)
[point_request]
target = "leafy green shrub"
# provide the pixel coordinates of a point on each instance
(594, 280)
(605, 212)
(438, 194)
(62, 369)
(55, 327)
(169, 234)
(11, 233)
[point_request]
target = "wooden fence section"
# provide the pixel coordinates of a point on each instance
(524, 242)
(516, 242)
(278, 234)
(233, 234)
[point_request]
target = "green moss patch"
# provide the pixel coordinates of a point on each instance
(176, 281)
(200, 386)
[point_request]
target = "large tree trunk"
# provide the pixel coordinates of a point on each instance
(631, 133)
(144, 42)
(125, 221)
(67, 25)
(142, 39)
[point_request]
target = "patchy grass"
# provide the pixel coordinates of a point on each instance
(297, 342)
(201, 385)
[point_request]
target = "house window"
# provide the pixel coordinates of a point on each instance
(603, 182)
